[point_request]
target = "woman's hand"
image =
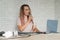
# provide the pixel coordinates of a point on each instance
(30, 19)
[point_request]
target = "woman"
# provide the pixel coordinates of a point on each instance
(25, 20)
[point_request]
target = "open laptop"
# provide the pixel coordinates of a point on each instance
(52, 26)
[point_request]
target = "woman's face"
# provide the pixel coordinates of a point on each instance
(26, 10)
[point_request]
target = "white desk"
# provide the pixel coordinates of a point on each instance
(39, 37)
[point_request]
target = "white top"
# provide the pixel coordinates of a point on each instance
(28, 28)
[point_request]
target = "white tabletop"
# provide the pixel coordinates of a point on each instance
(51, 36)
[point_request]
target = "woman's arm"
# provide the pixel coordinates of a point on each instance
(22, 27)
(35, 29)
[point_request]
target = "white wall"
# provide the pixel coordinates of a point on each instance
(8, 14)
(42, 10)
(57, 13)
(45, 10)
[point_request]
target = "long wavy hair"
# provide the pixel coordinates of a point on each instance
(21, 14)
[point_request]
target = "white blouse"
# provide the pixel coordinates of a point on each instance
(28, 28)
